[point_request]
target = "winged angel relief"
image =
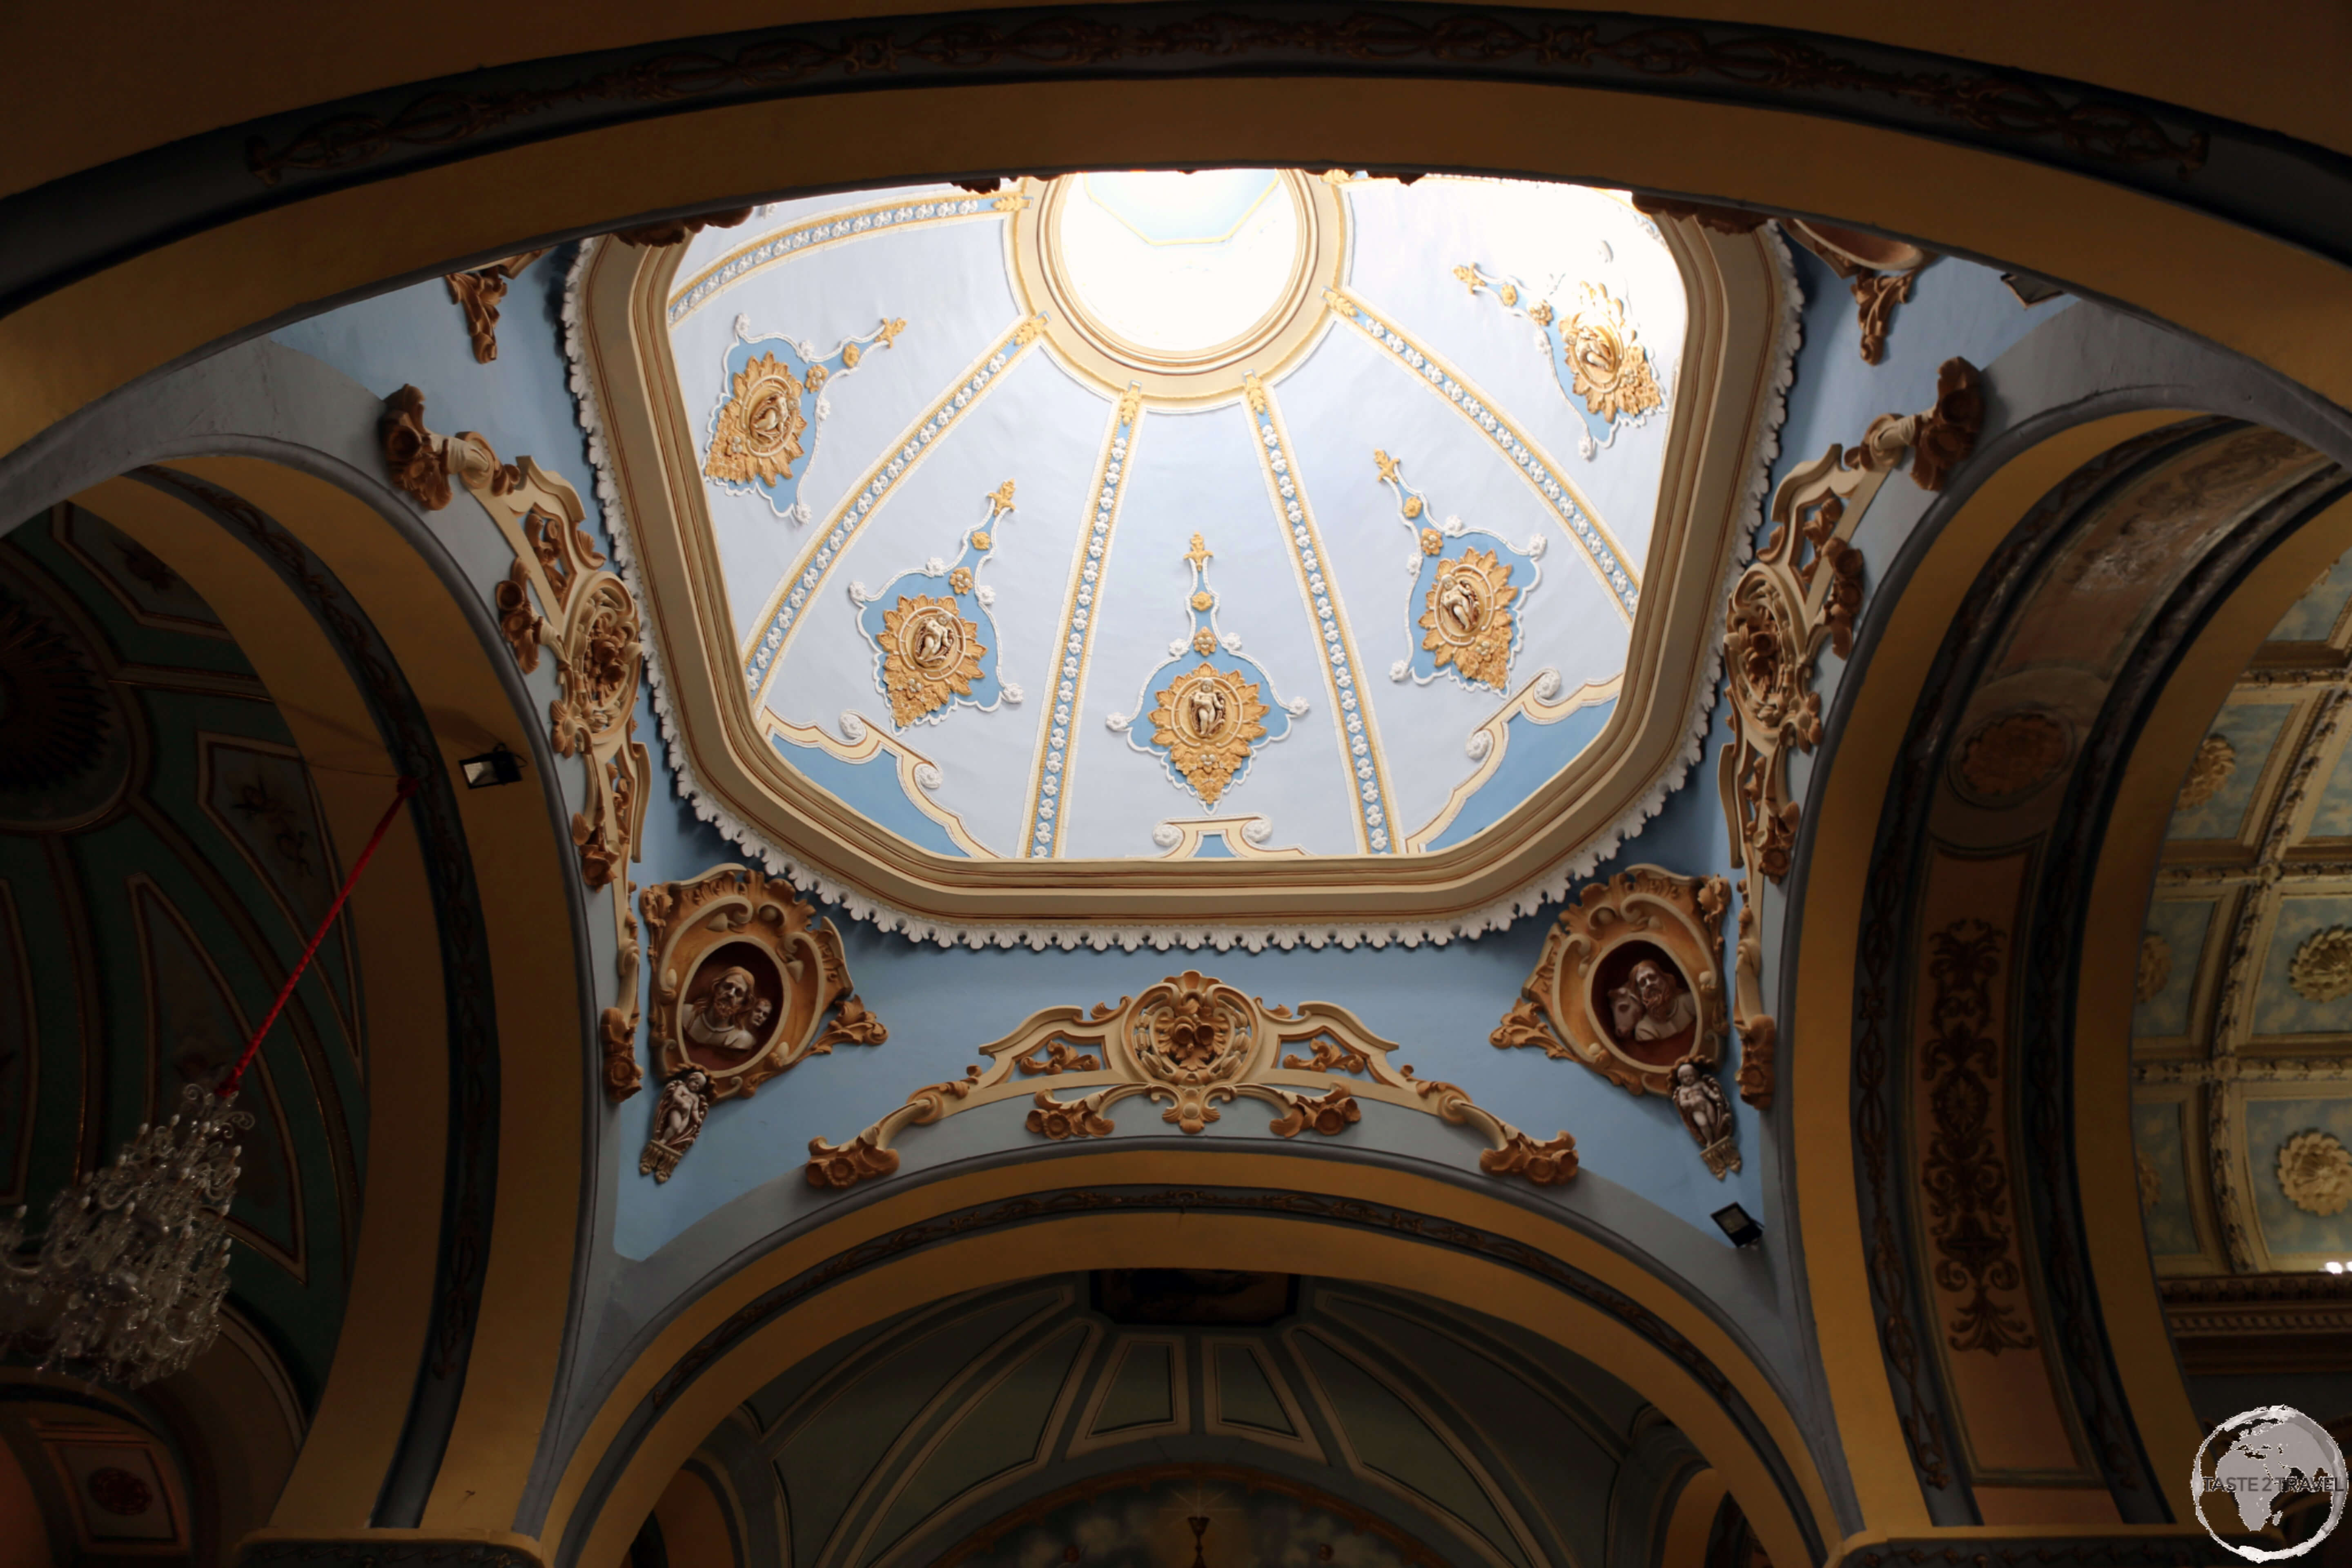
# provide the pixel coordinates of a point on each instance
(1191, 1044)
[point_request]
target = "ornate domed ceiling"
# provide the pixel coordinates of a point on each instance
(1241, 515)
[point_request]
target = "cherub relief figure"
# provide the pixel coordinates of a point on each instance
(1653, 1005)
(732, 1017)
(1706, 1114)
(677, 1121)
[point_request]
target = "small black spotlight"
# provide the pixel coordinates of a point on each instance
(496, 766)
(1737, 1225)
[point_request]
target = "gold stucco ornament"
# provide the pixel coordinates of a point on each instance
(1190, 1044)
(1207, 719)
(930, 655)
(2314, 1171)
(1611, 371)
(1466, 618)
(2216, 760)
(758, 435)
(2321, 970)
(2155, 965)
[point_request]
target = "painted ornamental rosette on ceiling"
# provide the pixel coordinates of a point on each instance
(1470, 706)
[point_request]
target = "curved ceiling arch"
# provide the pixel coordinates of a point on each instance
(1560, 744)
(750, 1323)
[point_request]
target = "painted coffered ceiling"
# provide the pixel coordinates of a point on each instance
(2243, 1036)
(1239, 513)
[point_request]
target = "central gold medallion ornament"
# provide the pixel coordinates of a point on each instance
(758, 431)
(931, 651)
(1208, 718)
(1207, 721)
(1467, 617)
(930, 655)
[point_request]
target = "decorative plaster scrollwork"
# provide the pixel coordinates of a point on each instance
(2314, 1172)
(748, 984)
(1878, 270)
(1803, 590)
(477, 294)
(2155, 966)
(933, 636)
(1964, 1177)
(1190, 1044)
(1630, 983)
(588, 619)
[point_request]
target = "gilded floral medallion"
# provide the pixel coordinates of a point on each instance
(932, 632)
(1608, 367)
(1207, 721)
(1596, 352)
(1467, 600)
(930, 656)
(1466, 618)
(758, 433)
(776, 399)
(1211, 707)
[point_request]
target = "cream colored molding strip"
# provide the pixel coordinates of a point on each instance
(1490, 740)
(918, 775)
(832, 230)
(1359, 737)
(1058, 746)
(763, 652)
(1619, 577)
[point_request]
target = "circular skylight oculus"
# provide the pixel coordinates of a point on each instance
(1180, 284)
(1176, 264)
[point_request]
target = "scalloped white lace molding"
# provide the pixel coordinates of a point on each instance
(1553, 885)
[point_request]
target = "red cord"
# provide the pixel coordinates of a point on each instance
(252, 1047)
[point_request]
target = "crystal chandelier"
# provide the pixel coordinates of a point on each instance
(127, 1282)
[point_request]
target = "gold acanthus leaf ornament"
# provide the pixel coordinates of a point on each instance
(1190, 1044)
(1802, 592)
(1466, 618)
(758, 435)
(1609, 367)
(1208, 718)
(2314, 1172)
(2215, 761)
(930, 655)
(588, 619)
(2321, 970)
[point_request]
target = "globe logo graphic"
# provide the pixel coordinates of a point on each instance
(2254, 1466)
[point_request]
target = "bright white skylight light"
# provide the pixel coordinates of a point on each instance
(1180, 263)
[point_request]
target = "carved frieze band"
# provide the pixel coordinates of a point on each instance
(1190, 1044)
(1630, 983)
(747, 983)
(558, 596)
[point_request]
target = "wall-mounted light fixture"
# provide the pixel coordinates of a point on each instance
(1737, 1225)
(496, 766)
